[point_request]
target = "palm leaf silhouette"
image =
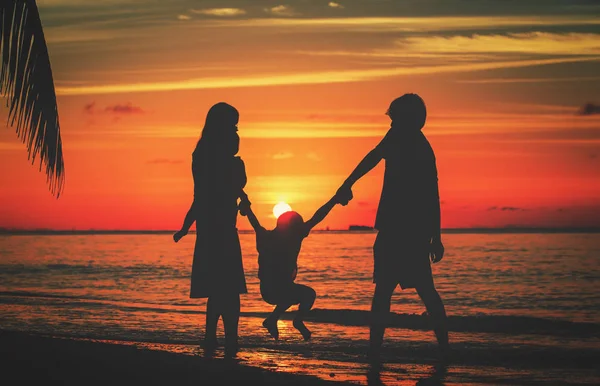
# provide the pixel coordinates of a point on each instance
(26, 83)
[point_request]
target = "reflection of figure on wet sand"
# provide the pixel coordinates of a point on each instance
(434, 378)
(278, 251)
(217, 270)
(408, 219)
(437, 376)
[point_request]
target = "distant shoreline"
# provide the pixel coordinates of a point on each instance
(53, 232)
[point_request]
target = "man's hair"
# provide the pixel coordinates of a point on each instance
(410, 109)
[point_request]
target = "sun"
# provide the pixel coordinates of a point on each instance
(280, 208)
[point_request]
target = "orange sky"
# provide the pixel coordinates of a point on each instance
(504, 89)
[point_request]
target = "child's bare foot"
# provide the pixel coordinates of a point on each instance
(299, 325)
(271, 326)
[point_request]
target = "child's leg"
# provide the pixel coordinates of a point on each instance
(305, 296)
(437, 312)
(231, 316)
(270, 323)
(212, 318)
(380, 309)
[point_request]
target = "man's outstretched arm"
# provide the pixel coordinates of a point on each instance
(366, 165)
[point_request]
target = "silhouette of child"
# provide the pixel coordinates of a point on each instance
(278, 251)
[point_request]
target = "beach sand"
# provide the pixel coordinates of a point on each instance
(35, 359)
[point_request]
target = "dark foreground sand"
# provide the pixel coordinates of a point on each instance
(38, 360)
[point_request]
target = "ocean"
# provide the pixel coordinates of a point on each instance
(523, 308)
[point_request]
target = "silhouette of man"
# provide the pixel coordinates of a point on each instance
(408, 219)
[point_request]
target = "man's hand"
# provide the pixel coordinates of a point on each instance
(178, 235)
(436, 253)
(344, 195)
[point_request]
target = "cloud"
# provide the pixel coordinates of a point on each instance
(222, 12)
(529, 80)
(524, 43)
(313, 156)
(420, 24)
(333, 4)
(183, 17)
(324, 77)
(506, 209)
(283, 155)
(589, 109)
(89, 108)
(281, 10)
(127, 108)
(157, 161)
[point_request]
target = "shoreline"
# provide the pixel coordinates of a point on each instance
(41, 359)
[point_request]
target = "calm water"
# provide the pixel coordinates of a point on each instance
(522, 307)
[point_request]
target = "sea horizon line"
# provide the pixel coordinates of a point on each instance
(350, 229)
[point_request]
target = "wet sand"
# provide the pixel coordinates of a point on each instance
(34, 359)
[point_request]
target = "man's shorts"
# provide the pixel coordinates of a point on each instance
(402, 258)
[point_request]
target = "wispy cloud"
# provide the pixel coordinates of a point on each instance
(126, 108)
(525, 43)
(333, 4)
(313, 156)
(224, 12)
(281, 10)
(167, 161)
(506, 209)
(183, 17)
(89, 108)
(282, 155)
(309, 77)
(421, 24)
(529, 80)
(590, 109)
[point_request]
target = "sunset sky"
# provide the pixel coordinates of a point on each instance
(512, 90)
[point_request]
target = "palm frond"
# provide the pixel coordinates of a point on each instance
(26, 83)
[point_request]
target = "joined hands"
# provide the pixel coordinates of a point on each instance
(344, 195)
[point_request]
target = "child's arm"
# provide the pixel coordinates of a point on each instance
(187, 223)
(246, 210)
(321, 213)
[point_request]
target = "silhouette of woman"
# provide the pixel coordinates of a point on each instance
(217, 270)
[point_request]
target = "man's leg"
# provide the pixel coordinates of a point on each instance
(380, 309)
(437, 312)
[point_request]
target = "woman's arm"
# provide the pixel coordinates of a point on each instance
(187, 223)
(246, 210)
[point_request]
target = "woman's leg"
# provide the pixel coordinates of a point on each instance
(212, 318)
(213, 313)
(231, 316)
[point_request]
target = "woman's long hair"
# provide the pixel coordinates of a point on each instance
(219, 137)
